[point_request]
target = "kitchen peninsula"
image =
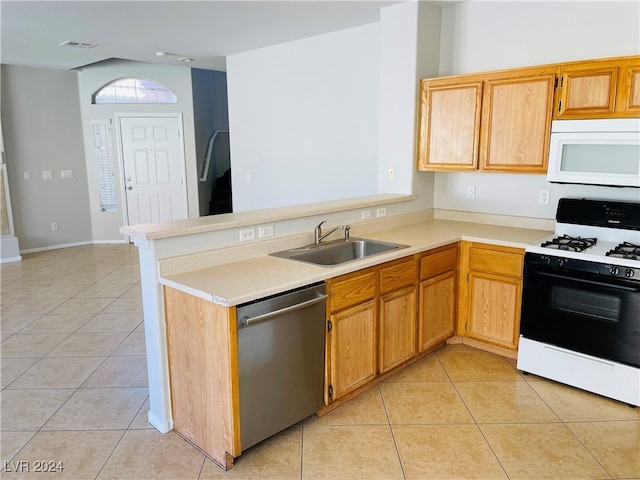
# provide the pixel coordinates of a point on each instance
(182, 257)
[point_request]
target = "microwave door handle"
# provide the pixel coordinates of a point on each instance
(592, 282)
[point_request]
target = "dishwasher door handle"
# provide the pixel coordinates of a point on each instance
(249, 321)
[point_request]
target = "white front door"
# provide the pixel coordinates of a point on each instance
(153, 169)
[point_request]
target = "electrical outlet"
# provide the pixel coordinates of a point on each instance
(366, 214)
(543, 198)
(265, 231)
(471, 193)
(247, 234)
(381, 212)
(27, 175)
(47, 174)
(54, 226)
(391, 173)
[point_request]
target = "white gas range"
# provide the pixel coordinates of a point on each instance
(580, 319)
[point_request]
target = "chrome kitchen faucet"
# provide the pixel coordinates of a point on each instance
(319, 236)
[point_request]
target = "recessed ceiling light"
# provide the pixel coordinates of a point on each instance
(162, 54)
(186, 59)
(69, 43)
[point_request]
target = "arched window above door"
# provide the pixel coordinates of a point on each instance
(134, 90)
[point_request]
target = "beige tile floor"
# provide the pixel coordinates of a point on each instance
(74, 390)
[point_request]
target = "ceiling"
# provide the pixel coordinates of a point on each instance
(205, 31)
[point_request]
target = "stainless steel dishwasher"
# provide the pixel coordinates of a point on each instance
(280, 361)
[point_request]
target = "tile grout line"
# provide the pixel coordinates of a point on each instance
(475, 422)
(393, 437)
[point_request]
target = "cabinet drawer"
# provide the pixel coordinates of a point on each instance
(398, 275)
(494, 261)
(438, 262)
(351, 291)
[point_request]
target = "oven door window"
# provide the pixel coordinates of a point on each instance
(586, 303)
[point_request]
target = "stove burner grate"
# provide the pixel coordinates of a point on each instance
(573, 244)
(625, 250)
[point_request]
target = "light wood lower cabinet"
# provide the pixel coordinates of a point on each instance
(378, 319)
(494, 308)
(351, 340)
(203, 372)
(490, 290)
(353, 348)
(371, 325)
(397, 338)
(437, 297)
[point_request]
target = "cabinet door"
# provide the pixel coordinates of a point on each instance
(353, 348)
(397, 328)
(449, 124)
(628, 95)
(494, 309)
(587, 90)
(516, 121)
(436, 315)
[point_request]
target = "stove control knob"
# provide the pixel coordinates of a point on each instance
(629, 273)
(614, 271)
(546, 259)
(561, 261)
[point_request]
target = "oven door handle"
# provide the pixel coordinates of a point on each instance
(617, 285)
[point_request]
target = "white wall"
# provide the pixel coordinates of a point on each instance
(409, 50)
(303, 120)
(483, 36)
(42, 131)
(491, 35)
(177, 79)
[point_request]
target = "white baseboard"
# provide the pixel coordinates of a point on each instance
(76, 244)
(109, 242)
(10, 249)
(163, 426)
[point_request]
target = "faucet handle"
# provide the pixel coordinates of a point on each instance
(346, 232)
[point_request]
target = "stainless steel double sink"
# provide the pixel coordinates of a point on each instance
(338, 252)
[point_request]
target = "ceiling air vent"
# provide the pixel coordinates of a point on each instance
(69, 43)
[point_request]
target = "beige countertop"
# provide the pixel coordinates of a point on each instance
(245, 280)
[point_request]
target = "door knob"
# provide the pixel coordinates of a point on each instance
(128, 179)
(129, 187)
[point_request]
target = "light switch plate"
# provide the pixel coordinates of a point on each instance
(265, 231)
(47, 174)
(66, 173)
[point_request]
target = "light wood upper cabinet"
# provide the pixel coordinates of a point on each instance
(490, 290)
(497, 121)
(606, 88)
(450, 124)
(516, 120)
(628, 94)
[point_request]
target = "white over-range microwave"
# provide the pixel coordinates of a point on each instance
(595, 152)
